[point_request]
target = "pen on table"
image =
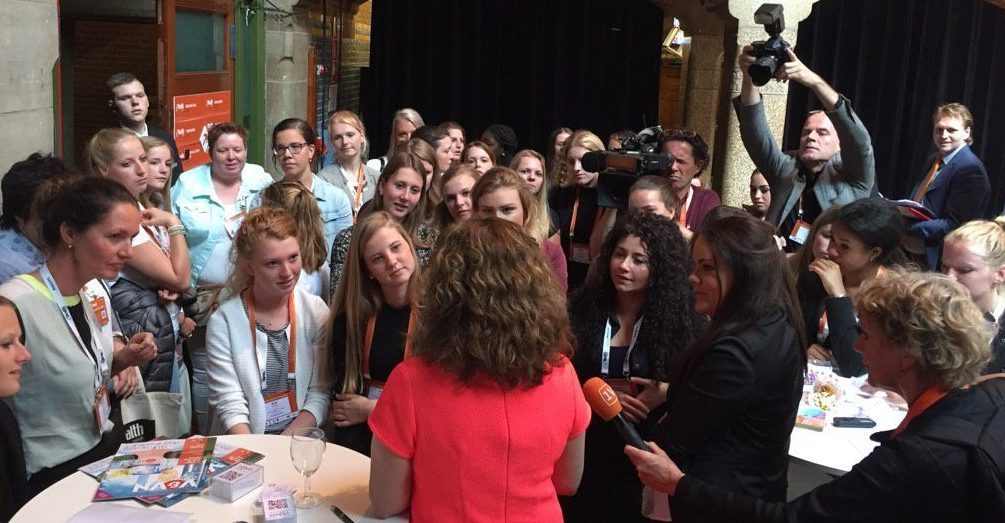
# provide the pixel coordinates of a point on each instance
(342, 515)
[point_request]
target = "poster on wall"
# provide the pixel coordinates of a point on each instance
(194, 114)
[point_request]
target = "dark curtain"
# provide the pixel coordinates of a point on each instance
(897, 60)
(534, 65)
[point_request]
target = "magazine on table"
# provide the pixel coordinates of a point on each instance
(156, 468)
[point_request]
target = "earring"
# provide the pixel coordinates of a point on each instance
(69, 246)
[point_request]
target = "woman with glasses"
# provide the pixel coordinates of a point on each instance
(293, 150)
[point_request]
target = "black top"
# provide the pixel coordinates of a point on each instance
(84, 328)
(842, 324)
(731, 407)
(386, 352)
(562, 200)
(811, 209)
(13, 474)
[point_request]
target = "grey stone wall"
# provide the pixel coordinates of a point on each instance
(28, 52)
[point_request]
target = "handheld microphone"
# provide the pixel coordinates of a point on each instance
(605, 404)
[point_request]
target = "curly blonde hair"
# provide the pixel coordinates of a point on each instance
(491, 305)
(581, 138)
(263, 222)
(933, 319)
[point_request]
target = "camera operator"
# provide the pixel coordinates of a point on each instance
(819, 174)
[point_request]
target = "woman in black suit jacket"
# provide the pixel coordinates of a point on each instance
(733, 394)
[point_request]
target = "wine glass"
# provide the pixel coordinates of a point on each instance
(307, 451)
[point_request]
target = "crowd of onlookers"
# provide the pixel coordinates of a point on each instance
(437, 308)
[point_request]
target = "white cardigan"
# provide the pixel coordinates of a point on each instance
(235, 387)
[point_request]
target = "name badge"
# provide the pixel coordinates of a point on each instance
(621, 385)
(800, 232)
(100, 309)
(579, 252)
(280, 408)
(102, 408)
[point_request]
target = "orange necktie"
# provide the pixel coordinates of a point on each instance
(928, 180)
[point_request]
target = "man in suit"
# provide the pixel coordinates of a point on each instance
(128, 101)
(956, 187)
(690, 157)
(834, 164)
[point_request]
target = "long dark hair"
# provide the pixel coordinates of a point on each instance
(761, 282)
(669, 323)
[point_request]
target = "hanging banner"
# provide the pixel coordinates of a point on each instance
(194, 114)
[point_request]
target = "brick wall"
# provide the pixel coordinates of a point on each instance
(355, 54)
(100, 50)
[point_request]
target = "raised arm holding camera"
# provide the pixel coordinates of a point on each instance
(820, 173)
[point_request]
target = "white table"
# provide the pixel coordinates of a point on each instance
(342, 480)
(838, 449)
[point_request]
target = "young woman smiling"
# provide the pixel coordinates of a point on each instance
(373, 316)
(263, 344)
(401, 192)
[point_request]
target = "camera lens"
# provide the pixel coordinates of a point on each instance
(763, 69)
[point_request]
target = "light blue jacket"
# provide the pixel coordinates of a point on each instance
(194, 202)
(335, 207)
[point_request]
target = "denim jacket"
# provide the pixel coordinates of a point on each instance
(194, 202)
(335, 207)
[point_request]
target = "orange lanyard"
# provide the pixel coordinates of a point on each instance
(371, 325)
(684, 205)
(575, 216)
(292, 355)
(928, 398)
(359, 189)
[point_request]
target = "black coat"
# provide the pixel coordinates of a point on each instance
(731, 407)
(139, 310)
(13, 475)
(920, 475)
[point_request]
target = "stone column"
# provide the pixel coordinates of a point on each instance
(738, 166)
(287, 43)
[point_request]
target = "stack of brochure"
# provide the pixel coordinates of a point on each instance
(165, 471)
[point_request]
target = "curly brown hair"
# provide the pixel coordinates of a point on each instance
(491, 305)
(933, 319)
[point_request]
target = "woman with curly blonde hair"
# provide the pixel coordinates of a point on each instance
(924, 338)
(575, 204)
(501, 411)
(373, 314)
(263, 344)
(297, 200)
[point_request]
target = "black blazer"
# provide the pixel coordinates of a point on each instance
(731, 407)
(957, 195)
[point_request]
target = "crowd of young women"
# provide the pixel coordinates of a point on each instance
(437, 305)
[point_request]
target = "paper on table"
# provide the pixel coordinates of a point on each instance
(104, 512)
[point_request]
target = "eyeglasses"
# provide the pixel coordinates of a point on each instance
(294, 148)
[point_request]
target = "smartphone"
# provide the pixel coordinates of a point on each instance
(855, 423)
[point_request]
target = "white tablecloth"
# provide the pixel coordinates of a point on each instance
(838, 449)
(342, 480)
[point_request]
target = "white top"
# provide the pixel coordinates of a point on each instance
(235, 386)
